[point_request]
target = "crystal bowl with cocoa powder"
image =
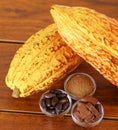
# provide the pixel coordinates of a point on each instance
(78, 85)
(87, 112)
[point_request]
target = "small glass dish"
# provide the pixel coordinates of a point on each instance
(55, 102)
(81, 122)
(78, 85)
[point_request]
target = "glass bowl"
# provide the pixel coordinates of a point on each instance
(55, 102)
(78, 85)
(86, 121)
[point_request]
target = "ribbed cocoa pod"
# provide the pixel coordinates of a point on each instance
(93, 35)
(42, 60)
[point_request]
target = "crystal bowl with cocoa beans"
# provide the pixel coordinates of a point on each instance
(55, 102)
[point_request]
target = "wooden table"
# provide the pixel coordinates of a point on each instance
(19, 19)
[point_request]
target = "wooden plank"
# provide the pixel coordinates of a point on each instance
(21, 19)
(13, 121)
(106, 92)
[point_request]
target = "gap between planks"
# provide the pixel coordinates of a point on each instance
(40, 113)
(12, 41)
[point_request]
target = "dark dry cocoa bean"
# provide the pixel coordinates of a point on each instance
(58, 108)
(63, 100)
(51, 107)
(62, 95)
(65, 106)
(49, 95)
(48, 102)
(54, 101)
(51, 111)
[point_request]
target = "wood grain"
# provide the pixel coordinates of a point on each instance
(19, 19)
(21, 121)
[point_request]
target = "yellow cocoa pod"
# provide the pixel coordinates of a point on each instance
(41, 61)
